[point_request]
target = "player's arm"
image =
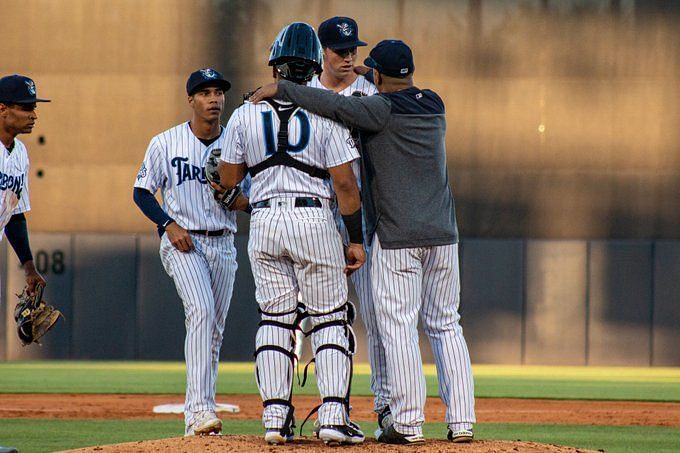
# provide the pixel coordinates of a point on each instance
(349, 201)
(17, 235)
(147, 203)
(369, 113)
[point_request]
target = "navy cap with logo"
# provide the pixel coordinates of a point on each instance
(391, 57)
(339, 33)
(206, 77)
(18, 89)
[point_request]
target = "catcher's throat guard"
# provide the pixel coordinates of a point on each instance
(34, 317)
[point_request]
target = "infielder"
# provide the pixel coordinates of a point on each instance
(294, 244)
(411, 222)
(339, 38)
(197, 238)
(18, 103)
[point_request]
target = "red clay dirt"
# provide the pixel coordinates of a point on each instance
(489, 410)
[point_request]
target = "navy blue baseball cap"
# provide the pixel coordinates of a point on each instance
(339, 33)
(391, 57)
(18, 89)
(204, 77)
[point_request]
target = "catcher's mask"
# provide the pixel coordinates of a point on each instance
(296, 53)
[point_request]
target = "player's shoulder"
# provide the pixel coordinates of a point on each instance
(364, 86)
(173, 132)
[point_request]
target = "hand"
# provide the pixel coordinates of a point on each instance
(362, 70)
(179, 237)
(267, 91)
(356, 257)
(218, 190)
(33, 278)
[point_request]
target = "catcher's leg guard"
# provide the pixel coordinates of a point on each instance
(274, 368)
(333, 344)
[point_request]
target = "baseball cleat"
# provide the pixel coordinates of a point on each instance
(391, 436)
(341, 434)
(274, 436)
(461, 435)
(205, 423)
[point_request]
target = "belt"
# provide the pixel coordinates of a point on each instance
(300, 202)
(209, 233)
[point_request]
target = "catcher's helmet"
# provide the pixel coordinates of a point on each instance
(296, 53)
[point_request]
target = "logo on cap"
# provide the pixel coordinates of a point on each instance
(345, 29)
(31, 87)
(208, 73)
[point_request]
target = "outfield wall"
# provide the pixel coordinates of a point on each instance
(523, 302)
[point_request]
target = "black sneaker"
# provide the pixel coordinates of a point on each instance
(391, 436)
(341, 434)
(460, 436)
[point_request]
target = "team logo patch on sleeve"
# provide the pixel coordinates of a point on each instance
(350, 142)
(142, 172)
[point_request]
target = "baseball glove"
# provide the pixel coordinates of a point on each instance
(34, 316)
(225, 198)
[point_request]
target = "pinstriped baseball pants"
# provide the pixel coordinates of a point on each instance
(413, 282)
(298, 249)
(204, 279)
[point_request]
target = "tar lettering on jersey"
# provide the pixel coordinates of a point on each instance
(186, 171)
(13, 183)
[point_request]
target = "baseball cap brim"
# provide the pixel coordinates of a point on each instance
(225, 85)
(346, 45)
(371, 63)
(26, 101)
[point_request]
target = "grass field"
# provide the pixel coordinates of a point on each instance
(640, 384)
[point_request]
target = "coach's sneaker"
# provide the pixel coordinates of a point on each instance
(277, 436)
(341, 434)
(461, 435)
(204, 424)
(391, 436)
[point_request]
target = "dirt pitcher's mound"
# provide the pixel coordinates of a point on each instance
(244, 444)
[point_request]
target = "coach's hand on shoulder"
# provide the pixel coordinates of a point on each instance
(267, 91)
(179, 237)
(356, 257)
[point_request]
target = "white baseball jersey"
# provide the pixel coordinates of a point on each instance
(251, 138)
(13, 182)
(361, 84)
(204, 278)
(175, 164)
(366, 88)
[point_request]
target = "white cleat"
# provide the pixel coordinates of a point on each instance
(205, 424)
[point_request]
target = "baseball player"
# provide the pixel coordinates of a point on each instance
(18, 103)
(294, 244)
(197, 237)
(412, 227)
(339, 38)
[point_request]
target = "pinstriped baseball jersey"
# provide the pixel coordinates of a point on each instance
(175, 164)
(251, 138)
(13, 182)
(361, 84)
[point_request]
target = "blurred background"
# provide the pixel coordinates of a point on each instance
(563, 152)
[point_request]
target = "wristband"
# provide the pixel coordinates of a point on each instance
(353, 225)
